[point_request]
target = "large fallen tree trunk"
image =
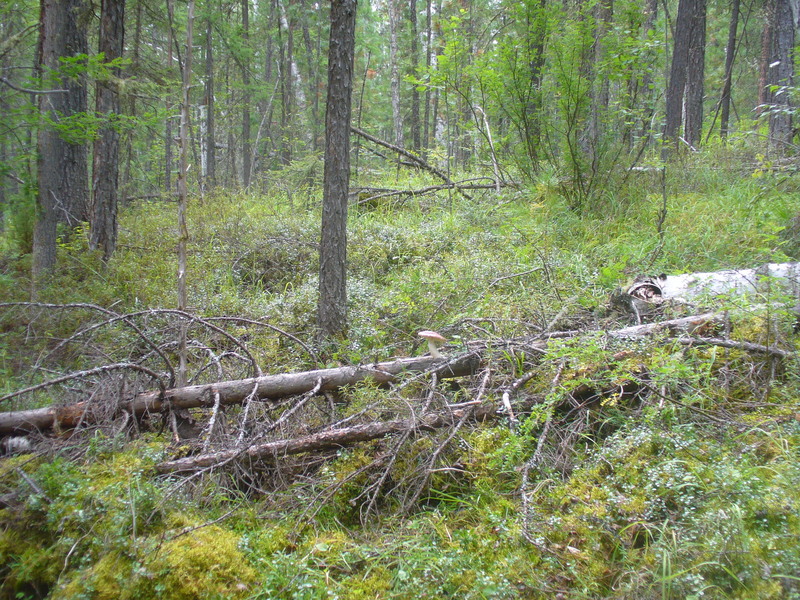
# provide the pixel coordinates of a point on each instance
(268, 387)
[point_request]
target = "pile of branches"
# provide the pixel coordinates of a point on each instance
(267, 429)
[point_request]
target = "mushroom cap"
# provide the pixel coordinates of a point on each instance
(432, 336)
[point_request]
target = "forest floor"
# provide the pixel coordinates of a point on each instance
(567, 462)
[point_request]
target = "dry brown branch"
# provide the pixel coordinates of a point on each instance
(409, 155)
(374, 490)
(295, 339)
(324, 440)
(467, 413)
(368, 196)
(533, 461)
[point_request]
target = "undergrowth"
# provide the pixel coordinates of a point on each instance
(686, 487)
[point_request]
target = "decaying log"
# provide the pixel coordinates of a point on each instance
(324, 440)
(733, 281)
(268, 387)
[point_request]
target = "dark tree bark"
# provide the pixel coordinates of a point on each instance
(246, 150)
(533, 109)
(332, 308)
(414, 125)
(210, 138)
(312, 78)
(132, 109)
(677, 76)
(63, 168)
(780, 76)
(695, 74)
(105, 171)
(426, 119)
(287, 87)
(730, 51)
(764, 94)
(393, 6)
(168, 124)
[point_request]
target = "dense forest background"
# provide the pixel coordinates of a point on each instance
(585, 91)
(224, 225)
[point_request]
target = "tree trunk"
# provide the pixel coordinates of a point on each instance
(168, 104)
(678, 76)
(397, 118)
(532, 116)
(246, 150)
(183, 232)
(132, 110)
(210, 137)
(63, 168)
(312, 77)
(764, 94)
(332, 308)
(287, 87)
(730, 51)
(414, 125)
(695, 74)
(106, 147)
(426, 119)
(781, 74)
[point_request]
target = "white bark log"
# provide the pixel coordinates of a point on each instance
(781, 278)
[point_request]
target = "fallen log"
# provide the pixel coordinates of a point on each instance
(323, 440)
(273, 387)
(689, 286)
(267, 387)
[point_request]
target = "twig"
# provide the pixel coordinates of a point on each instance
(28, 90)
(245, 415)
(395, 453)
(114, 317)
(534, 460)
(748, 346)
(295, 339)
(435, 456)
(411, 156)
(34, 486)
(211, 422)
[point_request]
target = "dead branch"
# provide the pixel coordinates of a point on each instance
(746, 346)
(268, 387)
(409, 155)
(369, 195)
(324, 440)
(376, 487)
(272, 387)
(295, 339)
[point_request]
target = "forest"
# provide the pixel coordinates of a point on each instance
(381, 299)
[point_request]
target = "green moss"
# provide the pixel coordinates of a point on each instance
(204, 563)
